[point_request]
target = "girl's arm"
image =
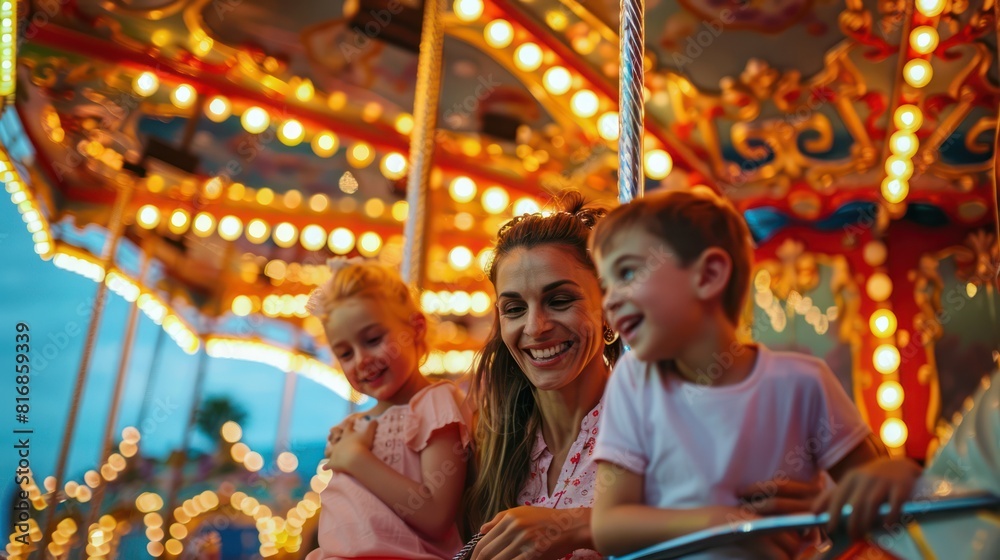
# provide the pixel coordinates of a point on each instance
(622, 524)
(429, 506)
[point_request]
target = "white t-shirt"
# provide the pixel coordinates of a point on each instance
(699, 445)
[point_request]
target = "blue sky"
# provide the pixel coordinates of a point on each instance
(54, 302)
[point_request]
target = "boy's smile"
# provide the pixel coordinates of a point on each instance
(649, 296)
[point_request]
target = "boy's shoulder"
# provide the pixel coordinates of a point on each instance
(632, 372)
(790, 366)
(630, 365)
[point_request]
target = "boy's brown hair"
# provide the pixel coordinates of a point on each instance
(689, 223)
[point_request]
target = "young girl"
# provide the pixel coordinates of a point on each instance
(694, 419)
(400, 469)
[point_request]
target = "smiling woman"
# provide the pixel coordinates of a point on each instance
(538, 384)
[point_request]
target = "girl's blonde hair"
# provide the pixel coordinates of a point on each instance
(360, 278)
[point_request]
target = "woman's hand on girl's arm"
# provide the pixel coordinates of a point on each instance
(534, 532)
(429, 506)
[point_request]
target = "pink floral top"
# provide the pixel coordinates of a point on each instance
(575, 487)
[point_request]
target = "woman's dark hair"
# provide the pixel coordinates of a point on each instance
(508, 417)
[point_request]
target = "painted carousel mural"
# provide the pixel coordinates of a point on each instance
(201, 159)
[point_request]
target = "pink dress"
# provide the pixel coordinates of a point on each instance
(575, 487)
(353, 522)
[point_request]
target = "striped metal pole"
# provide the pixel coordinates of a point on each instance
(425, 109)
(630, 99)
(116, 226)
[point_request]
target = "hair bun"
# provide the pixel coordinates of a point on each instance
(573, 202)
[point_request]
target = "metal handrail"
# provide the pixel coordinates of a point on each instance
(732, 534)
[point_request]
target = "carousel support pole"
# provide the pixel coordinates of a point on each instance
(282, 442)
(181, 458)
(109, 429)
(151, 378)
(630, 94)
(996, 180)
(425, 109)
(116, 226)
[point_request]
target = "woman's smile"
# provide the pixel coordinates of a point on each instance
(548, 354)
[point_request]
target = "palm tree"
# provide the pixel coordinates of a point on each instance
(216, 411)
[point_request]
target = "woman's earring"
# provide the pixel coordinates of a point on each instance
(610, 336)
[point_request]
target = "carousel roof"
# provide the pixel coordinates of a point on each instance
(262, 137)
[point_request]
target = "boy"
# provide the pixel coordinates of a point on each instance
(693, 416)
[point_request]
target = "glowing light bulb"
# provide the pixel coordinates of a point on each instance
(930, 8)
(258, 231)
(908, 118)
(495, 200)
(218, 109)
(404, 124)
(460, 258)
(895, 190)
(886, 358)
(528, 57)
(924, 39)
(893, 432)
(255, 120)
(557, 80)
(883, 323)
(462, 189)
(393, 166)
(499, 33)
(183, 96)
(146, 84)
(918, 73)
(341, 241)
(898, 167)
(526, 206)
(369, 243)
(889, 395)
(148, 216)
(468, 10)
(305, 91)
(658, 164)
(313, 237)
(608, 126)
(903, 143)
(230, 227)
(325, 144)
(285, 234)
(400, 210)
(291, 133)
(203, 225)
(584, 103)
(179, 221)
(360, 155)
